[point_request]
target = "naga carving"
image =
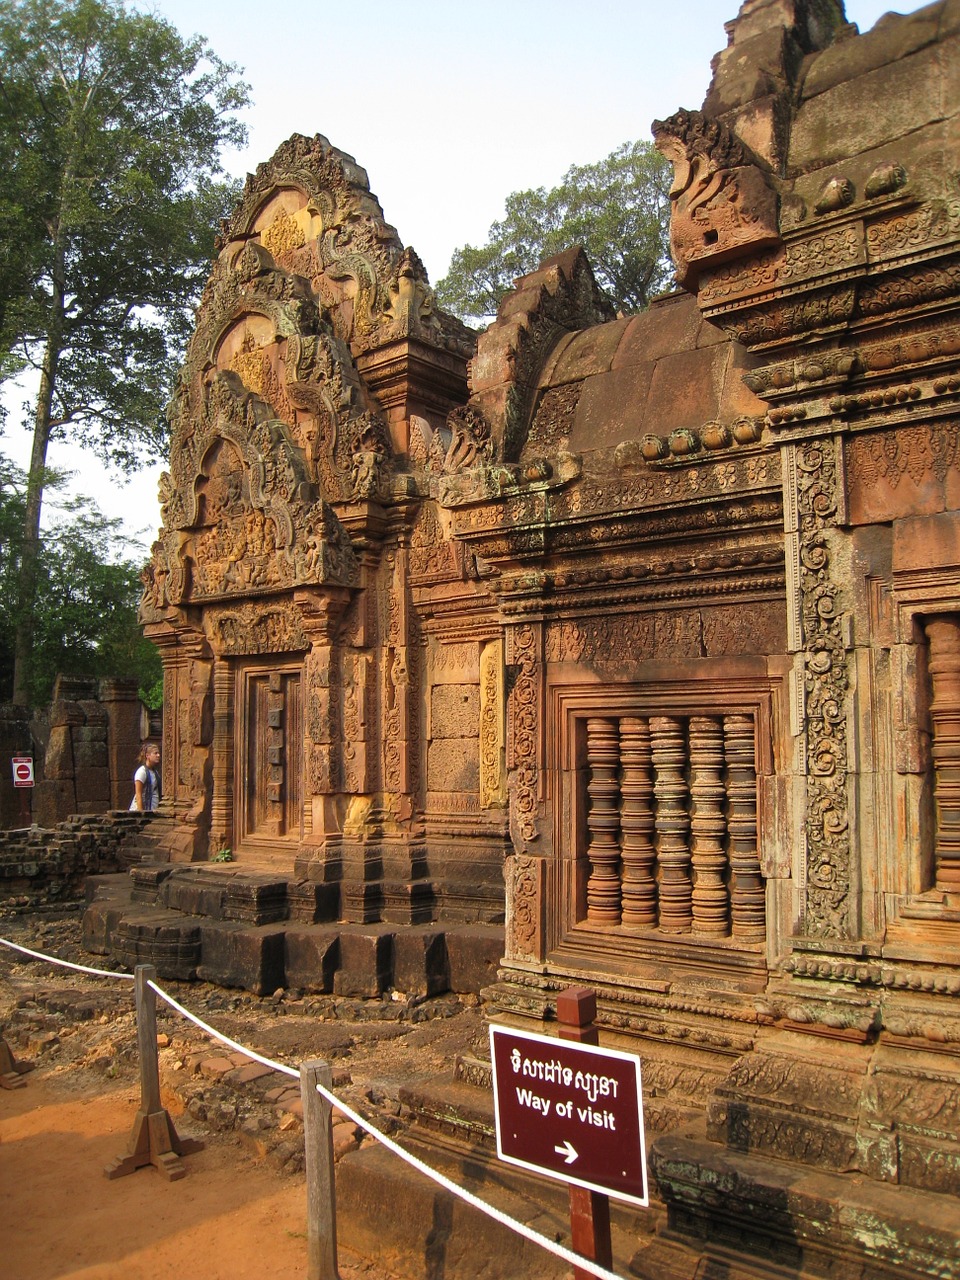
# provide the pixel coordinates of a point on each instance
(723, 203)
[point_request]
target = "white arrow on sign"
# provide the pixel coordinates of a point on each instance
(568, 1151)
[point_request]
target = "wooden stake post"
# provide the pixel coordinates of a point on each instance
(11, 1071)
(589, 1210)
(318, 1155)
(154, 1139)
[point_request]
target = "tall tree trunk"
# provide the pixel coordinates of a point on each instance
(30, 554)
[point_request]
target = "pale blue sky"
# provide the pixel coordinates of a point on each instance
(449, 106)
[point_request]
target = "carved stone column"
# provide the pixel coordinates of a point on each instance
(639, 886)
(748, 896)
(943, 635)
(711, 912)
(603, 820)
(672, 824)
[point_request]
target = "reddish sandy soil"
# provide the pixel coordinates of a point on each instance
(59, 1216)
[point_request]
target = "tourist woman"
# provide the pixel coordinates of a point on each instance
(146, 780)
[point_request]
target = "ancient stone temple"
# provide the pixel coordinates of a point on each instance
(643, 631)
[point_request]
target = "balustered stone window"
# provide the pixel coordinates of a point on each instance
(943, 663)
(671, 825)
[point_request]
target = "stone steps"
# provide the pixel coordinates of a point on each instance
(255, 931)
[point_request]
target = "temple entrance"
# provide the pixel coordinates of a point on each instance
(269, 746)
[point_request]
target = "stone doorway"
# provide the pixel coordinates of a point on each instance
(269, 758)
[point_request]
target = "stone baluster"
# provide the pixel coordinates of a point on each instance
(748, 896)
(637, 823)
(708, 827)
(943, 636)
(672, 823)
(603, 821)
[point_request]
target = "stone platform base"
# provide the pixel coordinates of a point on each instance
(258, 932)
(715, 1214)
(742, 1216)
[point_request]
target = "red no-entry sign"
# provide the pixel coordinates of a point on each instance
(22, 771)
(572, 1111)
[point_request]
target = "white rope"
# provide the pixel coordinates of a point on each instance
(218, 1035)
(577, 1259)
(504, 1219)
(67, 964)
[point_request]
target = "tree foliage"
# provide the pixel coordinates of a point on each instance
(85, 619)
(618, 209)
(111, 131)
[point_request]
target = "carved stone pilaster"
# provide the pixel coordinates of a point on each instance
(525, 880)
(492, 779)
(827, 906)
(400, 676)
(524, 712)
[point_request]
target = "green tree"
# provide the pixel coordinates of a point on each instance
(85, 618)
(113, 126)
(618, 209)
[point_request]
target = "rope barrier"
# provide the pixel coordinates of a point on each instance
(520, 1228)
(67, 964)
(504, 1219)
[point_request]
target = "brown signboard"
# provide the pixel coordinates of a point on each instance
(572, 1111)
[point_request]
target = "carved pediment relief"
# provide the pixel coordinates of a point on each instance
(310, 209)
(723, 203)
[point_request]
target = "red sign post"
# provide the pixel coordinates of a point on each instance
(572, 1111)
(22, 771)
(23, 777)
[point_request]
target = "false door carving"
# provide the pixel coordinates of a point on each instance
(269, 755)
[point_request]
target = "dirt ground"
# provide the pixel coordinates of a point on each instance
(241, 1210)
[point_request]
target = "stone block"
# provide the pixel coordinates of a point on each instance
(311, 957)
(453, 764)
(169, 942)
(311, 901)
(420, 962)
(474, 953)
(99, 927)
(366, 962)
(400, 1221)
(52, 800)
(146, 879)
(114, 887)
(255, 899)
(197, 895)
(239, 955)
(867, 111)
(611, 407)
(58, 759)
(90, 751)
(592, 351)
(455, 711)
(93, 789)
